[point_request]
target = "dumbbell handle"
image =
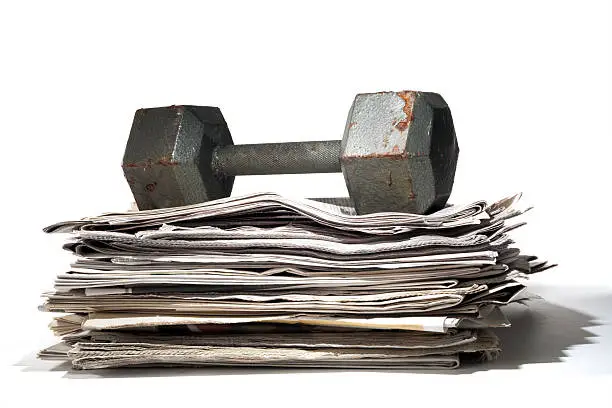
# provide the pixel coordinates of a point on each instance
(277, 158)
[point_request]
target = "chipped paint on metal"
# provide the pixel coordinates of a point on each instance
(408, 97)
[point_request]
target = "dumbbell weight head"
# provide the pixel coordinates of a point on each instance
(168, 155)
(398, 153)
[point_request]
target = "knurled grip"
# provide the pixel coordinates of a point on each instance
(277, 158)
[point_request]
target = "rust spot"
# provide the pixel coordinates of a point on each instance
(395, 149)
(385, 140)
(352, 124)
(402, 125)
(391, 155)
(149, 163)
(167, 162)
(408, 97)
(151, 187)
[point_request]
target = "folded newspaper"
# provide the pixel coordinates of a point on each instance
(263, 280)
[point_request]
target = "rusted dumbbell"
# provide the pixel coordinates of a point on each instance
(398, 153)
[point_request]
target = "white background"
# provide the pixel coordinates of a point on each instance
(529, 87)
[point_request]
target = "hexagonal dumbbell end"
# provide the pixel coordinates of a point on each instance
(168, 155)
(399, 152)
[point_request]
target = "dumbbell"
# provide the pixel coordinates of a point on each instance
(398, 153)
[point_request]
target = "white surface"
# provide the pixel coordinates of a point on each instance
(529, 87)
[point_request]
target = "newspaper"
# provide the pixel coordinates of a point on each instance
(266, 280)
(336, 350)
(344, 349)
(268, 209)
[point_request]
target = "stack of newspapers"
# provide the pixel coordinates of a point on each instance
(263, 280)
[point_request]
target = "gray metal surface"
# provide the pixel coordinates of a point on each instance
(277, 158)
(168, 154)
(399, 152)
